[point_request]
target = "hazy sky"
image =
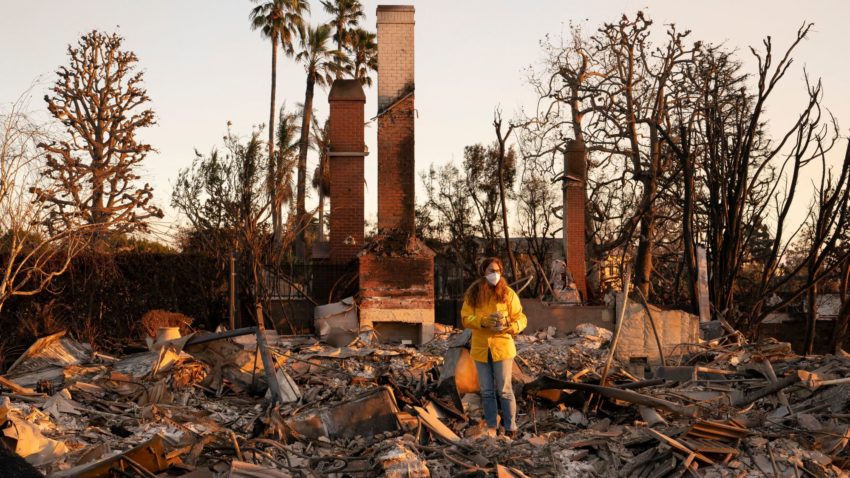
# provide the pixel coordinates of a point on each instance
(204, 66)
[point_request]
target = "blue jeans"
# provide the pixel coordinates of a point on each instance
(494, 378)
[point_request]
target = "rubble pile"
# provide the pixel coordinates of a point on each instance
(250, 403)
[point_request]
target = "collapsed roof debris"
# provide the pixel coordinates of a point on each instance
(198, 406)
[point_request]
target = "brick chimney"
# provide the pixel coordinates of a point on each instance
(396, 167)
(396, 269)
(347, 150)
(575, 197)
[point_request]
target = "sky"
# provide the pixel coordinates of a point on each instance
(204, 66)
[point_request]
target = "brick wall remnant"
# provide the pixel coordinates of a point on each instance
(397, 285)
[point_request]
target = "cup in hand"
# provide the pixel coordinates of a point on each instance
(501, 321)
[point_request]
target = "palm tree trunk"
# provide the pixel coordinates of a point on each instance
(272, 175)
(306, 118)
(339, 42)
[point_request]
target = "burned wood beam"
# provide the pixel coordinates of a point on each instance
(227, 334)
(745, 399)
(546, 383)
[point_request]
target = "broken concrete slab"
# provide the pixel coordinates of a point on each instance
(288, 391)
(61, 402)
(678, 332)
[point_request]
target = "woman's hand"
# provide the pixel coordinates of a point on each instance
(490, 321)
(500, 321)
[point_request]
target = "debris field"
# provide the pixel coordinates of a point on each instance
(201, 405)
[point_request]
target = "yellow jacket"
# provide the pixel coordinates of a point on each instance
(500, 344)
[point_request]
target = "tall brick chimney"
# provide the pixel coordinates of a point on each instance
(396, 167)
(575, 197)
(396, 270)
(347, 150)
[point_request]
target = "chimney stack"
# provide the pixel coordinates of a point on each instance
(396, 166)
(575, 197)
(396, 270)
(347, 150)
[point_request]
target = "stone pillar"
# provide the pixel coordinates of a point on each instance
(396, 167)
(575, 198)
(347, 150)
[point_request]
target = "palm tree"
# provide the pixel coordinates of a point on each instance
(321, 64)
(281, 21)
(346, 15)
(322, 174)
(364, 55)
(288, 137)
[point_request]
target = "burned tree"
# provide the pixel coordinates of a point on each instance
(31, 256)
(222, 195)
(612, 91)
(506, 172)
(737, 175)
(101, 101)
(482, 168)
(448, 210)
(536, 205)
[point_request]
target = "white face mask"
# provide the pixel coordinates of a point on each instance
(493, 278)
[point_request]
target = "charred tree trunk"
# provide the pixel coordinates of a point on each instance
(689, 257)
(272, 173)
(497, 124)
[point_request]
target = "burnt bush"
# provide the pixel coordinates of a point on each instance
(103, 297)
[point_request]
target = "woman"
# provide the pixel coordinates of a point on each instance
(493, 311)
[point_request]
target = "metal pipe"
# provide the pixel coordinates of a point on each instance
(202, 339)
(232, 306)
(626, 283)
(652, 322)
